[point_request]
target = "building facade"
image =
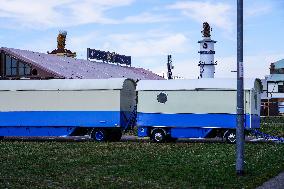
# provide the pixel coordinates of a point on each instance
(273, 90)
(24, 64)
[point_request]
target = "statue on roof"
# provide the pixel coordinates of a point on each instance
(206, 30)
(61, 39)
(61, 43)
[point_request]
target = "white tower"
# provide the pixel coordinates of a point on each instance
(206, 63)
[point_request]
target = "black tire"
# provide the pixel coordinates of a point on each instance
(230, 136)
(158, 135)
(99, 135)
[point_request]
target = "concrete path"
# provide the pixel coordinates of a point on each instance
(274, 183)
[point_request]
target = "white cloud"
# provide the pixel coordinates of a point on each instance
(54, 13)
(255, 66)
(187, 68)
(148, 49)
(146, 17)
(82, 41)
(148, 44)
(217, 14)
(40, 14)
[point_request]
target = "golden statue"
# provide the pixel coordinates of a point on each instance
(61, 40)
(61, 43)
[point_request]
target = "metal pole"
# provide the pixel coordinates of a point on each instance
(170, 67)
(88, 53)
(240, 93)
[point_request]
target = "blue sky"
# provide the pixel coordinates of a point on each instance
(148, 30)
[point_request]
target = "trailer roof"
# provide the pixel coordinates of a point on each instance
(62, 84)
(194, 84)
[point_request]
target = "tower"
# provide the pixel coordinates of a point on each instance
(206, 63)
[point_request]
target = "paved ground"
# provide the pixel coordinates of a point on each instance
(127, 138)
(274, 183)
(202, 140)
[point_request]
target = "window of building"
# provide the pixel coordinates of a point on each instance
(1, 64)
(15, 67)
(21, 68)
(280, 88)
(34, 72)
(24, 69)
(8, 65)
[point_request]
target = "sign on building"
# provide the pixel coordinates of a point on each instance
(109, 57)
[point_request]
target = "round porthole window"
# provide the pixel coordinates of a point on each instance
(162, 97)
(34, 71)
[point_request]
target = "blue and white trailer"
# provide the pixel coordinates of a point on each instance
(171, 109)
(99, 107)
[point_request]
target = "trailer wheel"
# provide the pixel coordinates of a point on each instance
(158, 135)
(99, 135)
(230, 136)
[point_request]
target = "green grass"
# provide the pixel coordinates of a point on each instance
(275, 129)
(272, 119)
(135, 165)
(273, 125)
(49, 164)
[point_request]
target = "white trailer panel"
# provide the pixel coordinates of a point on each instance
(58, 107)
(196, 103)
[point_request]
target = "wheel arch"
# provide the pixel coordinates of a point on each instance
(164, 129)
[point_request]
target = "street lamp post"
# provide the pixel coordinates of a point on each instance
(240, 92)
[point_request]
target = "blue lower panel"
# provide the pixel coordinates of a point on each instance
(179, 132)
(36, 131)
(60, 118)
(194, 120)
(142, 131)
(255, 121)
(189, 132)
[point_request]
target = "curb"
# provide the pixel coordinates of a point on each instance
(275, 183)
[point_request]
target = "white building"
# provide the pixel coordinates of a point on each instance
(273, 86)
